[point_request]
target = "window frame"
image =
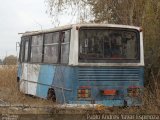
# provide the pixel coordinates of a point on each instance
(110, 60)
(31, 48)
(61, 43)
(26, 60)
(22, 49)
(59, 47)
(43, 48)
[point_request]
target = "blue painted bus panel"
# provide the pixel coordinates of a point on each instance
(66, 80)
(108, 78)
(62, 82)
(19, 72)
(45, 79)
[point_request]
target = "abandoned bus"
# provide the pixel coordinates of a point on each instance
(83, 64)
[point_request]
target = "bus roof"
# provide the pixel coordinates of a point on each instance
(28, 33)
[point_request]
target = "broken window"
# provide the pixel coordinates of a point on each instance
(26, 51)
(36, 48)
(51, 47)
(65, 38)
(24, 47)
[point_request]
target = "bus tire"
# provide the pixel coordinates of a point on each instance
(51, 94)
(18, 83)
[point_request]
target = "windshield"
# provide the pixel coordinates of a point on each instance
(117, 44)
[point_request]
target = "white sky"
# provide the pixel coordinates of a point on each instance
(18, 16)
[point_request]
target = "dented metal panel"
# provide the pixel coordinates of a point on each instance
(29, 79)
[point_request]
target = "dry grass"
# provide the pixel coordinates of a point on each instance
(9, 93)
(9, 90)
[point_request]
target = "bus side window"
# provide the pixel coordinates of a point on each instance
(26, 51)
(51, 47)
(21, 50)
(65, 43)
(36, 48)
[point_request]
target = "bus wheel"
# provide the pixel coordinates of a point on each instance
(18, 83)
(51, 95)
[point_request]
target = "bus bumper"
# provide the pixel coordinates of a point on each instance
(111, 103)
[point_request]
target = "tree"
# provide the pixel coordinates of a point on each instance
(127, 12)
(79, 8)
(145, 13)
(10, 60)
(1, 62)
(151, 23)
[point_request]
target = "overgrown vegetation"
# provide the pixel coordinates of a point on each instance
(9, 93)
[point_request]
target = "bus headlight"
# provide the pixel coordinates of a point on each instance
(84, 93)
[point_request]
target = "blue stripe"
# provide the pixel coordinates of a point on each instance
(20, 71)
(66, 80)
(45, 79)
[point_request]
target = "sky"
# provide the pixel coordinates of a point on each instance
(18, 16)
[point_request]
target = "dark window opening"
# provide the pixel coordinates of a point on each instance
(101, 45)
(24, 49)
(21, 50)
